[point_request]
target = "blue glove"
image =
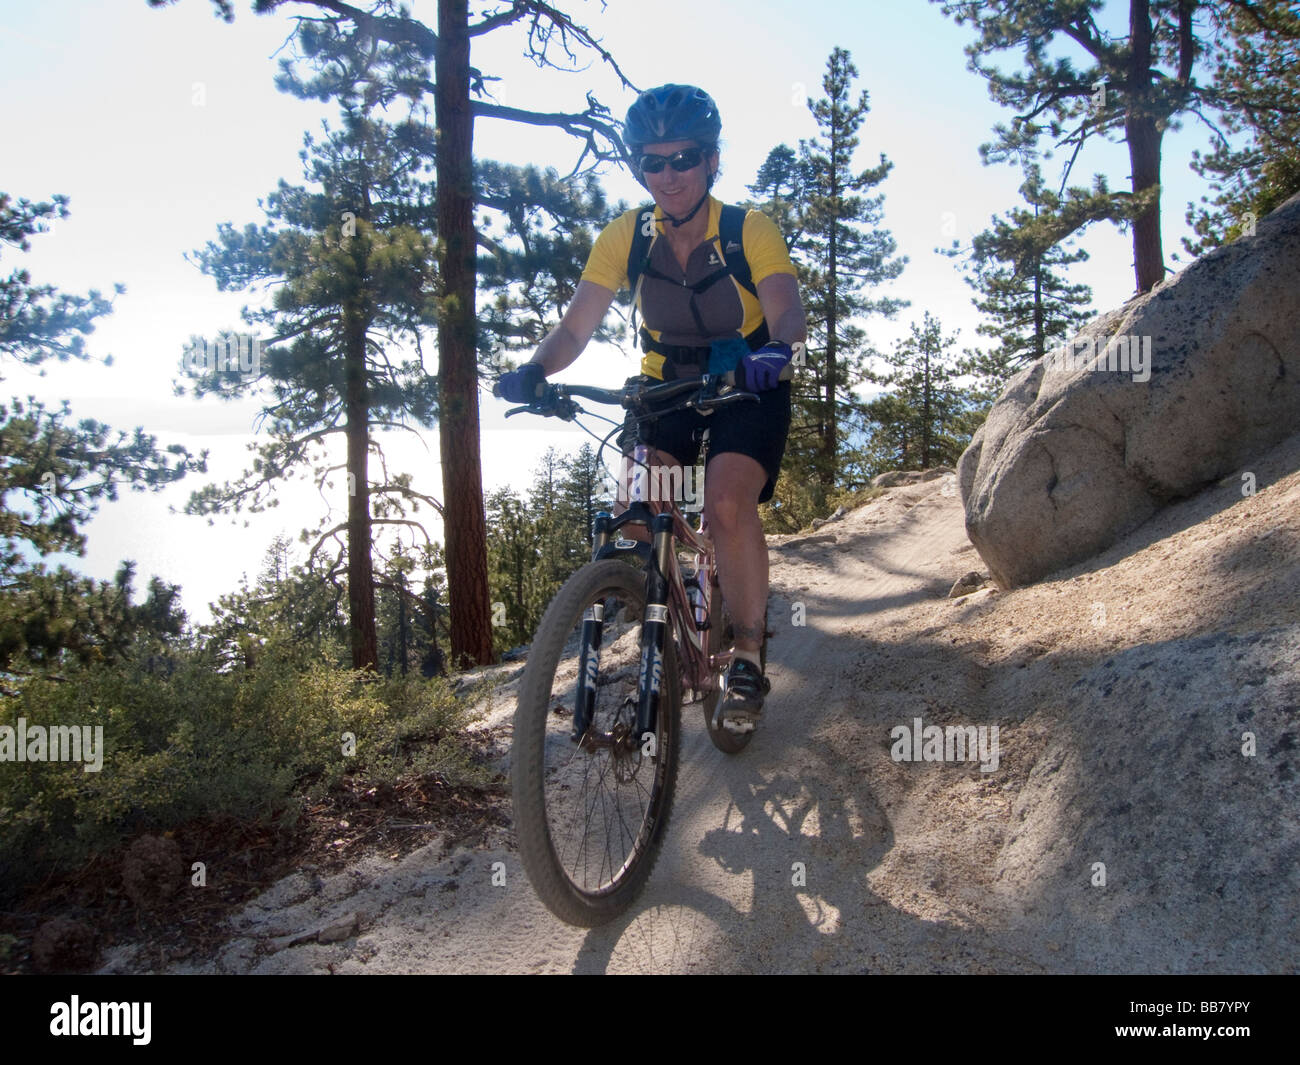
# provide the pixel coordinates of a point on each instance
(523, 385)
(760, 370)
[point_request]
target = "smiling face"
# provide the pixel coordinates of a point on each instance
(674, 191)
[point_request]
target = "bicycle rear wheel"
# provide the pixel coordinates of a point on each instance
(590, 817)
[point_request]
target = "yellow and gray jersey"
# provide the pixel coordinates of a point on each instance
(674, 313)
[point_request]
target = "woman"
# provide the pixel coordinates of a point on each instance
(698, 318)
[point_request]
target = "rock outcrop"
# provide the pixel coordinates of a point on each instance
(1175, 390)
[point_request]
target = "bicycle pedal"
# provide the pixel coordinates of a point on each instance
(738, 727)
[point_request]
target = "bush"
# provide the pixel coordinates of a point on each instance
(205, 742)
(797, 503)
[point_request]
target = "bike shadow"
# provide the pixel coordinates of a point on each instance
(786, 887)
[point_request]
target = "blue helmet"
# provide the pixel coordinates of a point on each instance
(672, 113)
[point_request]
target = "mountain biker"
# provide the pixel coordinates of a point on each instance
(697, 319)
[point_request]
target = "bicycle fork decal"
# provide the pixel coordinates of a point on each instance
(654, 632)
(593, 623)
(652, 669)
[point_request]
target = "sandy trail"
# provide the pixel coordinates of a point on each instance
(906, 867)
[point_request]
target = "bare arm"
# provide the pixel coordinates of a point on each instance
(566, 341)
(779, 297)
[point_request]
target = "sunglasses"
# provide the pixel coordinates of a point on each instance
(686, 159)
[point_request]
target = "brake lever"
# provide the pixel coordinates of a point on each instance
(718, 393)
(560, 407)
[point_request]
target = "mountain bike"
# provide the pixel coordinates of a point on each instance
(597, 728)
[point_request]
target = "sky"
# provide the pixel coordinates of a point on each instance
(161, 124)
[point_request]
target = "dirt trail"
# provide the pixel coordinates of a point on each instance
(908, 867)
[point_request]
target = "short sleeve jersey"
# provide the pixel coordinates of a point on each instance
(725, 309)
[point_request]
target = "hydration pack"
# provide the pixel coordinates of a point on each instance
(731, 227)
(721, 355)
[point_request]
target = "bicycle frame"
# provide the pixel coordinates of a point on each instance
(591, 820)
(666, 600)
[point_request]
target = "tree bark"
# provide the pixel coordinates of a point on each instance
(361, 584)
(1142, 132)
(464, 525)
(925, 406)
(1040, 342)
(830, 437)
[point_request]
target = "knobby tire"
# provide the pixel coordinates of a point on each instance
(563, 795)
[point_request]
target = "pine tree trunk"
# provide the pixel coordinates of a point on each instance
(1040, 341)
(464, 526)
(926, 438)
(1143, 137)
(433, 664)
(361, 585)
(403, 635)
(830, 439)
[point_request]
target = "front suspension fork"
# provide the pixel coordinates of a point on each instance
(654, 635)
(593, 625)
(654, 629)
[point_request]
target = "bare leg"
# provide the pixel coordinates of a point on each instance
(732, 485)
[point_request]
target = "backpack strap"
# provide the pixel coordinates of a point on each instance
(731, 226)
(638, 252)
(731, 229)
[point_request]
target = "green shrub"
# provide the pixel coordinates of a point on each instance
(204, 741)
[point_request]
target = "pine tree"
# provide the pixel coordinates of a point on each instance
(1028, 304)
(781, 191)
(288, 604)
(55, 472)
(1257, 71)
(845, 251)
(1135, 85)
(583, 493)
(551, 568)
(355, 264)
(37, 322)
(514, 548)
(396, 607)
(432, 624)
(545, 28)
(535, 256)
(921, 420)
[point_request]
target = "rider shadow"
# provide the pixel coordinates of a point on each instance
(808, 839)
(817, 833)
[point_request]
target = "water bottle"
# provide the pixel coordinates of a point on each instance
(696, 597)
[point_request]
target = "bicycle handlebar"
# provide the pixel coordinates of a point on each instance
(556, 399)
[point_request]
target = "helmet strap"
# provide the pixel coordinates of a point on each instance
(689, 214)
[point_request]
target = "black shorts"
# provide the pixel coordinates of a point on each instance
(758, 430)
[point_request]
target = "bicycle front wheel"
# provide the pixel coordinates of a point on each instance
(590, 816)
